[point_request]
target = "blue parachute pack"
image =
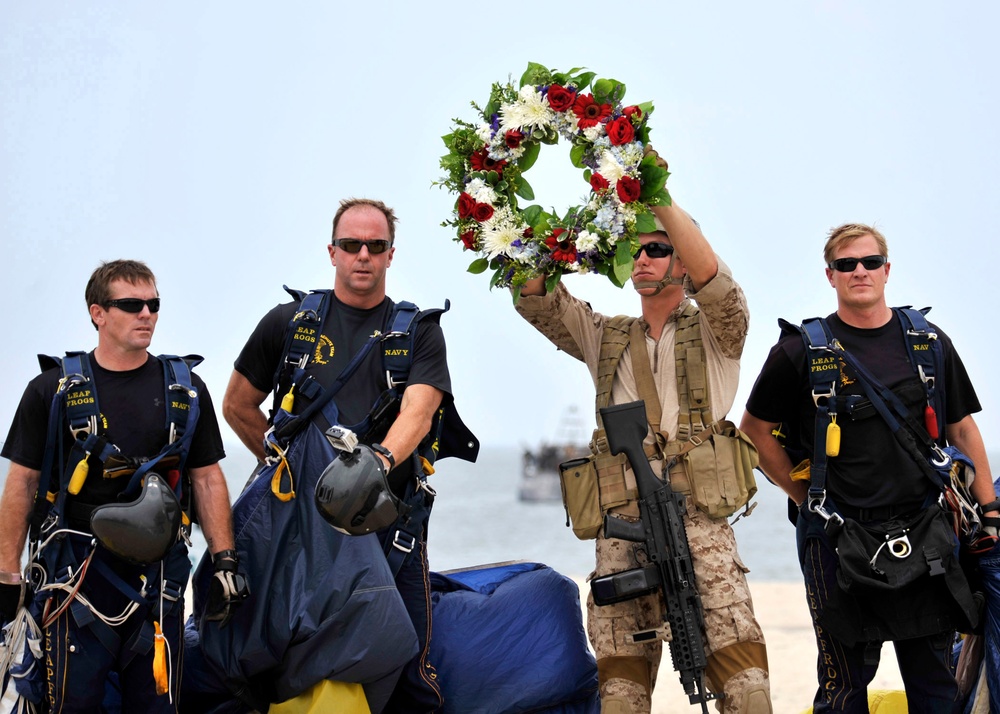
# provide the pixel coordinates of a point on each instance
(509, 638)
(323, 604)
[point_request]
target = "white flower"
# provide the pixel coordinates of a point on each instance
(586, 240)
(593, 133)
(485, 132)
(481, 191)
(609, 167)
(530, 110)
(499, 239)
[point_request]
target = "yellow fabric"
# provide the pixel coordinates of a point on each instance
(883, 701)
(160, 661)
(283, 496)
(327, 696)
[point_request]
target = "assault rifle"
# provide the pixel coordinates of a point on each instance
(661, 529)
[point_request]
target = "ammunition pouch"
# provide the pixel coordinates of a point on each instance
(579, 484)
(715, 467)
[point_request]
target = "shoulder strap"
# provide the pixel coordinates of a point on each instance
(927, 357)
(613, 341)
(397, 343)
(301, 335)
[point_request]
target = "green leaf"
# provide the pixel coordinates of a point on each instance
(644, 223)
(535, 74)
(531, 214)
(529, 156)
(622, 264)
(524, 190)
(551, 281)
(516, 293)
(608, 90)
(582, 80)
(576, 156)
(479, 265)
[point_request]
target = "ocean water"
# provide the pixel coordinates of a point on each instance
(478, 519)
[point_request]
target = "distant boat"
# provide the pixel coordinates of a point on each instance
(540, 467)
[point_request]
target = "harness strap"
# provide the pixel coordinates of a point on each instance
(643, 373)
(927, 359)
(406, 533)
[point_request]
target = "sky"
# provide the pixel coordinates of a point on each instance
(214, 141)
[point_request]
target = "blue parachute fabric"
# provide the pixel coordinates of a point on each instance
(510, 638)
(323, 605)
(989, 566)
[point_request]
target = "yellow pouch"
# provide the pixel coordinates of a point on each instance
(326, 696)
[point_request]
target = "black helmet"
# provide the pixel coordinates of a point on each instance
(143, 531)
(353, 495)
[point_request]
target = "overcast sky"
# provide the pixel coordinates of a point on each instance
(214, 140)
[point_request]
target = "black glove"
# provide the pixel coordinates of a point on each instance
(228, 589)
(11, 598)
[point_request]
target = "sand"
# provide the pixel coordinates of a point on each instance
(791, 650)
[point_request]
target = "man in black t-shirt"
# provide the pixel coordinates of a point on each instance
(361, 252)
(101, 612)
(872, 479)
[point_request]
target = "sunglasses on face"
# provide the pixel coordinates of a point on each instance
(353, 245)
(848, 265)
(134, 305)
(655, 249)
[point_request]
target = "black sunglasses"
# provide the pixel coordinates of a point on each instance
(655, 249)
(134, 305)
(353, 245)
(848, 265)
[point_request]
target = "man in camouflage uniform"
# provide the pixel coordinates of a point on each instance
(673, 263)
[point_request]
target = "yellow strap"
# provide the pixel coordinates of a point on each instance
(283, 496)
(160, 660)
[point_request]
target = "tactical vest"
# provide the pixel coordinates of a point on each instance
(720, 477)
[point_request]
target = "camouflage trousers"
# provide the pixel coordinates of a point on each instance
(734, 646)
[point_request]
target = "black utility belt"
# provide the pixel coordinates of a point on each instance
(880, 513)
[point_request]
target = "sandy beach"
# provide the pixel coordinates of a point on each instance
(791, 650)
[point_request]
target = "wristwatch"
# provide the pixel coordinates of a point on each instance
(387, 454)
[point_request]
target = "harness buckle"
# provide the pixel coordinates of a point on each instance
(816, 504)
(399, 544)
(939, 459)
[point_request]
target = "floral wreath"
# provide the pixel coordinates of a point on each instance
(486, 163)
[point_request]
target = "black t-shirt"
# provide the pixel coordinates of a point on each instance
(133, 417)
(872, 469)
(344, 332)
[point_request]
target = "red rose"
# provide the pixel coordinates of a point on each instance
(481, 161)
(528, 232)
(484, 212)
(599, 183)
(589, 113)
(469, 240)
(465, 205)
(513, 138)
(628, 189)
(620, 131)
(562, 250)
(560, 98)
(633, 112)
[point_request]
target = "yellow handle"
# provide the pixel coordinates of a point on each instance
(160, 660)
(79, 476)
(833, 437)
(288, 401)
